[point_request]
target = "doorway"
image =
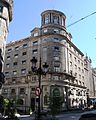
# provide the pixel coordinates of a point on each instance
(33, 104)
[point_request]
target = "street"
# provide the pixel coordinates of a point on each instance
(64, 116)
(69, 116)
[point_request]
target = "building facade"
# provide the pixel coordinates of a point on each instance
(5, 18)
(53, 44)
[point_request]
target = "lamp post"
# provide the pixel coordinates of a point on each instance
(41, 70)
(1, 69)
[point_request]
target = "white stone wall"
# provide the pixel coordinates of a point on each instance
(4, 23)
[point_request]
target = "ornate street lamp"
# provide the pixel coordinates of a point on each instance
(42, 70)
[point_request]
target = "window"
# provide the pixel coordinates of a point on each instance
(56, 58)
(45, 100)
(23, 62)
(82, 64)
(7, 65)
(1, 9)
(70, 64)
(17, 48)
(55, 77)
(75, 59)
(56, 68)
(22, 91)
(56, 19)
(56, 48)
(56, 39)
(34, 51)
(13, 91)
(24, 53)
(25, 46)
(13, 80)
(14, 72)
(74, 50)
(5, 91)
(79, 76)
(46, 19)
(75, 67)
(34, 78)
(35, 43)
(45, 31)
(70, 55)
(63, 22)
(6, 73)
(83, 78)
(80, 82)
(83, 84)
(23, 71)
(79, 69)
(32, 89)
(78, 61)
(82, 71)
(16, 56)
(35, 34)
(8, 57)
(75, 74)
(56, 31)
(15, 63)
(70, 46)
(9, 50)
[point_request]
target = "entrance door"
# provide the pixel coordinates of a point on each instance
(33, 104)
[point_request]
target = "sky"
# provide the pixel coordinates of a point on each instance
(27, 16)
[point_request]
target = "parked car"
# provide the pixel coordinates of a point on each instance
(89, 115)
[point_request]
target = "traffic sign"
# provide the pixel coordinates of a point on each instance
(38, 91)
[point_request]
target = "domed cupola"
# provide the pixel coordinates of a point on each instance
(53, 18)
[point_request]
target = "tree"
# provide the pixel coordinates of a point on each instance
(55, 104)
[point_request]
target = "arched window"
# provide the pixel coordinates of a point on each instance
(46, 19)
(56, 19)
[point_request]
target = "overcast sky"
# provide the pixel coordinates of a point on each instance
(27, 15)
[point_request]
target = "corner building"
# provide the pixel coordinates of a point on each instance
(5, 18)
(66, 76)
